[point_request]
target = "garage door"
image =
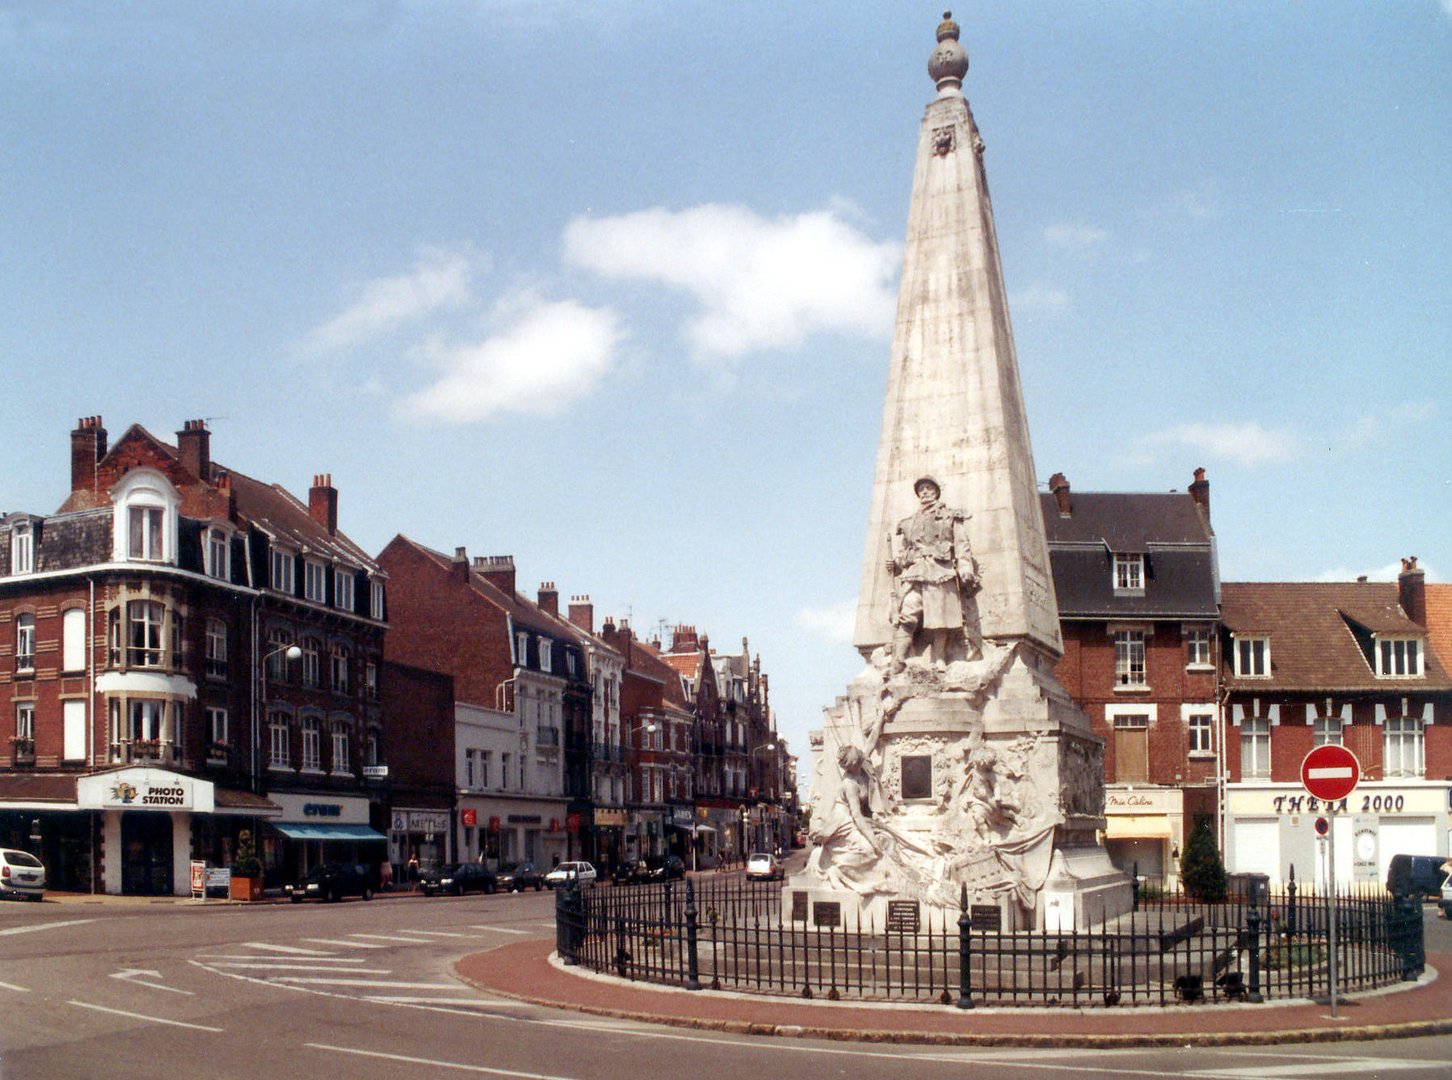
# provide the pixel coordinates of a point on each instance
(1414, 836)
(1257, 848)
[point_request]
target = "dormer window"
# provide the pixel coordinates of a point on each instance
(1252, 657)
(1128, 573)
(281, 577)
(546, 651)
(144, 525)
(375, 605)
(315, 581)
(22, 550)
(521, 649)
(218, 554)
(343, 589)
(1398, 658)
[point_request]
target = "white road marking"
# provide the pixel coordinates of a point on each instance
(284, 965)
(294, 949)
(143, 1016)
(44, 926)
(381, 984)
(11, 986)
(130, 976)
(392, 937)
(282, 959)
(458, 1065)
(400, 999)
(437, 933)
(1324, 1067)
(502, 929)
(345, 944)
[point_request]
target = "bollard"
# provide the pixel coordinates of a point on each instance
(693, 973)
(965, 974)
(566, 910)
(1252, 926)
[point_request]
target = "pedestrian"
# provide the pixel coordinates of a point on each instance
(412, 873)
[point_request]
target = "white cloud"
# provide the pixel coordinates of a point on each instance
(440, 279)
(833, 624)
(1246, 444)
(1447, 8)
(760, 283)
(1075, 236)
(545, 356)
(1038, 300)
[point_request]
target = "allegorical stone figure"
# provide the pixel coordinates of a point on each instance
(934, 578)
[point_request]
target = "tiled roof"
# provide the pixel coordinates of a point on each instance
(687, 664)
(1318, 631)
(1439, 621)
(649, 661)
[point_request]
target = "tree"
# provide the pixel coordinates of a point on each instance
(1201, 870)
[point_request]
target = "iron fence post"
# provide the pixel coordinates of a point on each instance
(1409, 941)
(1134, 884)
(1291, 903)
(965, 973)
(693, 979)
(1252, 926)
(566, 911)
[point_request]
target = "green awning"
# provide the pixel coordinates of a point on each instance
(298, 830)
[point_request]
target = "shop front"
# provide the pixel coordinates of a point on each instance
(145, 825)
(420, 834)
(318, 828)
(1144, 831)
(609, 838)
(1270, 828)
(500, 831)
(39, 814)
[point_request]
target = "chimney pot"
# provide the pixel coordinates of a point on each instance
(1200, 492)
(1059, 486)
(88, 446)
(323, 502)
(582, 614)
(1412, 590)
(194, 448)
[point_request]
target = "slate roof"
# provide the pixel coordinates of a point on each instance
(285, 518)
(1181, 578)
(1320, 635)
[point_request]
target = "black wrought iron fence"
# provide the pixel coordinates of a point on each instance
(736, 935)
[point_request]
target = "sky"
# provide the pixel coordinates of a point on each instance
(608, 286)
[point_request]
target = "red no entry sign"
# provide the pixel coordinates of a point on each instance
(1330, 772)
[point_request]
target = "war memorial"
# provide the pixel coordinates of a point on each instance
(957, 793)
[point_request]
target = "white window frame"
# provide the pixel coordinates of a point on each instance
(1255, 741)
(1131, 660)
(484, 759)
(312, 744)
(340, 750)
(278, 642)
(25, 720)
(1399, 657)
(1246, 659)
(343, 589)
(1128, 574)
(546, 654)
(469, 768)
(282, 568)
(338, 660)
(73, 639)
(279, 751)
(217, 552)
(312, 662)
(315, 581)
(25, 641)
(370, 679)
(150, 534)
(216, 726)
(1408, 735)
(145, 635)
(216, 658)
(1200, 728)
(376, 598)
(521, 649)
(1197, 647)
(22, 550)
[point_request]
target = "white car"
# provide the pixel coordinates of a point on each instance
(21, 874)
(762, 866)
(567, 872)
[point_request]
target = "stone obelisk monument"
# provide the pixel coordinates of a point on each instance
(956, 761)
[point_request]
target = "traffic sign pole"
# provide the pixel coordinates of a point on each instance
(1331, 773)
(1332, 967)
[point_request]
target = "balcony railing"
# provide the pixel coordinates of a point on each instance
(23, 750)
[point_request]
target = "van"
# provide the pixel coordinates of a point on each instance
(1415, 875)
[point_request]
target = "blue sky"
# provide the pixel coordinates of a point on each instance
(608, 286)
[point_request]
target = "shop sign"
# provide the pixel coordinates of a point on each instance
(325, 810)
(610, 818)
(320, 807)
(681, 815)
(1120, 801)
(469, 818)
(1367, 800)
(144, 789)
(427, 821)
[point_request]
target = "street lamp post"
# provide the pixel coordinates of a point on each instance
(289, 652)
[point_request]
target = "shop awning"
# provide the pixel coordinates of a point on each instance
(300, 830)
(1136, 826)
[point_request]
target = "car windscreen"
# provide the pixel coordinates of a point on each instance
(21, 858)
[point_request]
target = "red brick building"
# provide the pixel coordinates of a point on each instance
(1137, 588)
(187, 652)
(1352, 663)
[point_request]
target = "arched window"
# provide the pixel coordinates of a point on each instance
(279, 755)
(312, 748)
(216, 649)
(217, 553)
(144, 522)
(340, 750)
(339, 672)
(73, 640)
(311, 661)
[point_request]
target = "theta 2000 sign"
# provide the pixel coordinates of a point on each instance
(1330, 773)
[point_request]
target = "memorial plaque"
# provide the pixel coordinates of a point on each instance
(903, 916)
(827, 913)
(917, 777)
(986, 916)
(799, 906)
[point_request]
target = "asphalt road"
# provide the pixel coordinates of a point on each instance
(120, 989)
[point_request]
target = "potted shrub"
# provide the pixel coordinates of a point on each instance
(247, 869)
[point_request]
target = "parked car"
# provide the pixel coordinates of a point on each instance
(667, 868)
(567, 872)
(631, 872)
(22, 875)
(333, 881)
(516, 877)
(1415, 875)
(763, 866)
(1445, 903)
(457, 879)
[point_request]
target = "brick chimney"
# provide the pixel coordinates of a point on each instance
(684, 639)
(459, 568)
(88, 446)
(1412, 590)
(194, 447)
(549, 598)
(323, 502)
(1200, 492)
(1059, 486)
(498, 570)
(582, 614)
